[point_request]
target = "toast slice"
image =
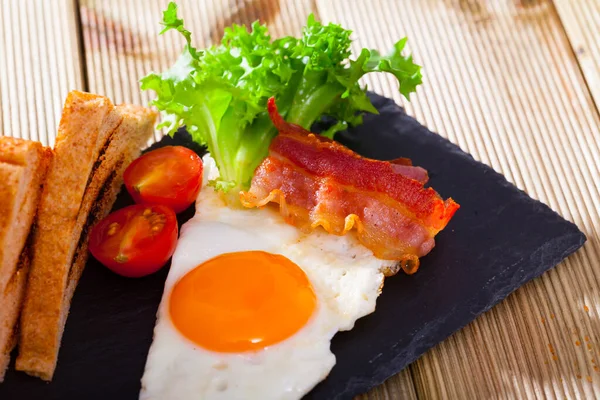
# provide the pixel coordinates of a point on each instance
(136, 128)
(23, 166)
(95, 144)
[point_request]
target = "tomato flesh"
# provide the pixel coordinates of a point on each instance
(171, 176)
(135, 241)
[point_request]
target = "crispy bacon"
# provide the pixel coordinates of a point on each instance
(319, 182)
(404, 166)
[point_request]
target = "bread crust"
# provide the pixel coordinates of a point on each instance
(10, 304)
(20, 162)
(27, 162)
(96, 142)
(76, 150)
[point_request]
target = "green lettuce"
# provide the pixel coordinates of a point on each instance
(220, 93)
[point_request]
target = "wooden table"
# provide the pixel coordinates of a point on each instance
(515, 83)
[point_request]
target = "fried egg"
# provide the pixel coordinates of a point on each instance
(251, 303)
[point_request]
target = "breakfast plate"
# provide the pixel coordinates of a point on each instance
(500, 239)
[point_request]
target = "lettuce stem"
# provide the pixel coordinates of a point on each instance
(310, 103)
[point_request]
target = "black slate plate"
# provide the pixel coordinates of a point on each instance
(498, 240)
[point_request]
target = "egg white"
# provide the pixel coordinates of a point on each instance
(346, 279)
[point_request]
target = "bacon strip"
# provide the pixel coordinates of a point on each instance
(319, 182)
(404, 166)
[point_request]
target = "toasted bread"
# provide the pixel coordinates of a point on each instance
(23, 166)
(95, 144)
(134, 131)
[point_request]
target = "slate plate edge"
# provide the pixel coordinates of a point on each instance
(388, 369)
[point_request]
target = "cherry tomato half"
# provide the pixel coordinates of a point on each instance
(135, 241)
(171, 175)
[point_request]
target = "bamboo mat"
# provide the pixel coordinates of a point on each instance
(513, 82)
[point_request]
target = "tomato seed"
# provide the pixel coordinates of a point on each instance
(112, 228)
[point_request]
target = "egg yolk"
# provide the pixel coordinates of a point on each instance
(242, 301)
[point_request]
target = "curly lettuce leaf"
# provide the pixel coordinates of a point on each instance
(220, 93)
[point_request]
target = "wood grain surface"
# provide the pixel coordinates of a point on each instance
(40, 62)
(581, 20)
(514, 82)
(502, 81)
